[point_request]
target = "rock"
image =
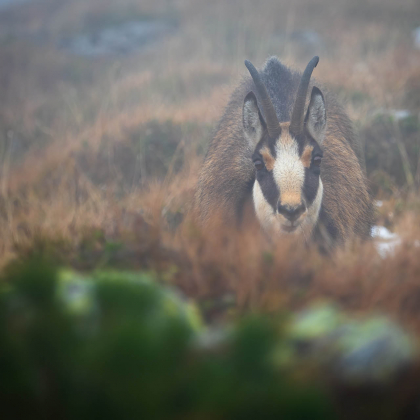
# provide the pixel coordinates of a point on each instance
(310, 40)
(354, 351)
(120, 39)
(4, 4)
(416, 37)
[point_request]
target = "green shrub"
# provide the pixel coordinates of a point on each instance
(118, 345)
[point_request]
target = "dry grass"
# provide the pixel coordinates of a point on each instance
(57, 108)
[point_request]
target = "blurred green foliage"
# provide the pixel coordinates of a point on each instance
(118, 345)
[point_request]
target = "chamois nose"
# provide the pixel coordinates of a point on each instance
(291, 213)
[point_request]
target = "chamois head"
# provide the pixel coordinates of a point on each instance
(287, 191)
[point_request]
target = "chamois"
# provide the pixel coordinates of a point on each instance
(302, 170)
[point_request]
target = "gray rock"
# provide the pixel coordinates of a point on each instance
(416, 37)
(119, 39)
(354, 351)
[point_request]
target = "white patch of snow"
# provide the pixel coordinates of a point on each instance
(398, 114)
(385, 241)
(401, 114)
(381, 232)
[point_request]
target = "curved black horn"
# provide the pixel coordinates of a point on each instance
(296, 122)
(268, 108)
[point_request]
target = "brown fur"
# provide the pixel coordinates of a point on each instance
(291, 198)
(286, 138)
(227, 176)
(346, 200)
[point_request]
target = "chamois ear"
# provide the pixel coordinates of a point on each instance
(253, 122)
(316, 116)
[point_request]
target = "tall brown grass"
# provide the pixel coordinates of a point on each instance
(66, 122)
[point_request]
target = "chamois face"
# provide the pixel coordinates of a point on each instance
(287, 191)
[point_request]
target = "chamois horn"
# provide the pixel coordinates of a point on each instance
(272, 122)
(296, 122)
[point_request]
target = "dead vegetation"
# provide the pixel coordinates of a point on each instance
(99, 156)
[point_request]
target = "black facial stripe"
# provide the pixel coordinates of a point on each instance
(301, 141)
(265, 141)
(268, 187)
(272, 147)
(257, 156)
(317, 150)
(310, 186)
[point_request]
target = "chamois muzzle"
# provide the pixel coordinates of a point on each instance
(272, 122)
(296, 122)
(291, 213)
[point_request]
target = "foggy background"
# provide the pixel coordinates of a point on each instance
(112, 301)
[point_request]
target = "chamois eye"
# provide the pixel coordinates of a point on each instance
(258, 164)
(317, 161)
